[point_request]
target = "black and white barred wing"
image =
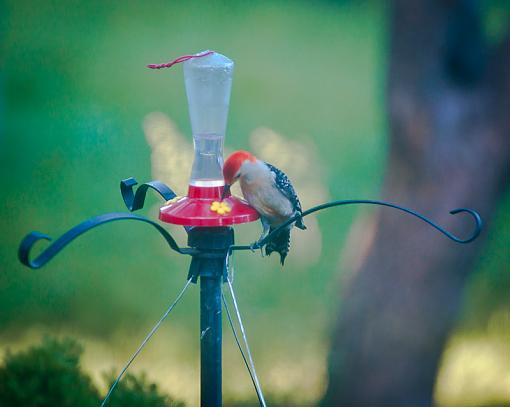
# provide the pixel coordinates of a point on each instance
(285, 187)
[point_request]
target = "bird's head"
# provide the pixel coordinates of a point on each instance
(233, 168)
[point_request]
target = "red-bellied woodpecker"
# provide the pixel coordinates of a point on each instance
(269, 191)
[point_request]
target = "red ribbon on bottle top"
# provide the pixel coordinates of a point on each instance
(184, 58)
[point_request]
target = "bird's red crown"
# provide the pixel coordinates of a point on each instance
(234, 162)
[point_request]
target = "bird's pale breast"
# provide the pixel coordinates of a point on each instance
(268, 201)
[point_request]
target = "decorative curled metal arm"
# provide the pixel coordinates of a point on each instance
(59, 244)
(135, 201)
(473, 236)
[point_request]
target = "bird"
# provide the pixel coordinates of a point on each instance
(269, 191)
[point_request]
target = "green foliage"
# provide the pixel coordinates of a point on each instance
(46, 375)
(137, 391)
(49, 374)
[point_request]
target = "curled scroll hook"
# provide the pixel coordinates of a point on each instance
(32, 238)
(135, 200)
(475, 215)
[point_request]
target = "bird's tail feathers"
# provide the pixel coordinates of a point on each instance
(280, 244)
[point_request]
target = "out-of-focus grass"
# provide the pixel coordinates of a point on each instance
(73, 96)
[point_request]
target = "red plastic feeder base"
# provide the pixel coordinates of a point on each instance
(195, 209)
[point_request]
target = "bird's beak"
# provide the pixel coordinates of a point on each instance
(226, 191)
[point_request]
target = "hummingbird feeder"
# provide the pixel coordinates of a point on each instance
(208, 80)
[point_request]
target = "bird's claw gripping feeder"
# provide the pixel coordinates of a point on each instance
(208, 80)
(205, 214)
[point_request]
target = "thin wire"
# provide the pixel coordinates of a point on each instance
(147, 338)
(241, 326)
(229, 266)
(231, 323)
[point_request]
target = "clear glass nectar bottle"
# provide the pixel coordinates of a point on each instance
(208, 82)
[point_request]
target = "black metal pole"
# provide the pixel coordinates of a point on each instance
(210, 341)
(209, 266)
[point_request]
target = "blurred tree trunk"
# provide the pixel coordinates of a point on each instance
(449, 117)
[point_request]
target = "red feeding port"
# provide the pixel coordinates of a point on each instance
(197, 209)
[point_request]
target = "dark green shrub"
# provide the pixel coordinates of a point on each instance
(137, 392)
(49, 374)
(46, 375)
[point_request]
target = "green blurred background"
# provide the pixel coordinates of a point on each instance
(74, 97)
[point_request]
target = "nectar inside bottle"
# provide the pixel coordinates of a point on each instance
(208, 162)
